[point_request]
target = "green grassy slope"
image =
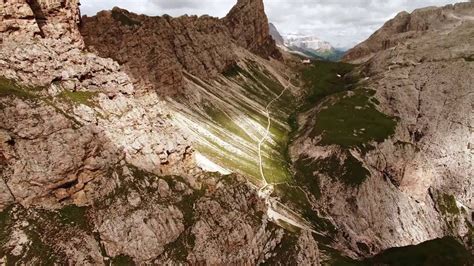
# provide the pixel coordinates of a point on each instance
(347, 116)
(230, 120)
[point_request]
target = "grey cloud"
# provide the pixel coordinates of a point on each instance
(176, 4)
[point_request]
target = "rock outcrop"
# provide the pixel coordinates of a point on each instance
(92, 170)
(155, 51)
(407, 26)
(248, 25)
(47, 18)
(419, 182)
(67, 115)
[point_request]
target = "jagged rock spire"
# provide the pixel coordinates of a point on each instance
(248, 25)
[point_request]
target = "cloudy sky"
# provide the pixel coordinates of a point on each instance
(341, 22)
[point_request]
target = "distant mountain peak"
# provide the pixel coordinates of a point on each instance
(307, 42)
(276, 34)
(306, 45)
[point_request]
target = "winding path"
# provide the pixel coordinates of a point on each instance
(265, 136)
(276, 211)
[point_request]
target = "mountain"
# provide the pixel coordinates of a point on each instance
(133, 139)
(307, 42)
(312, 46)
(407, 161)
(305, 45)
(276, 35)
(405, 26)
(107, 123)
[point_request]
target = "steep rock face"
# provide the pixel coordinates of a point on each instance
(249, 27)
(74, 131)
(156, 50)
(147, 219)
(419, 184)
(47, 18)
(67, 116)
(407, 26)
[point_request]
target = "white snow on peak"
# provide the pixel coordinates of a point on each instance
(306, 42)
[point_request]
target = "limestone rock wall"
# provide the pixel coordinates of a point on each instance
(408, 26)
(420, 185)
(249, 27)
(155, 51)
(68, 115)
(46, 18)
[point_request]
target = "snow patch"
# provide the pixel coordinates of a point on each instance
(307, 42)
(209, 166)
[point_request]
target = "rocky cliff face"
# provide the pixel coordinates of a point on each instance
(407, 26)
(69, 115)
(48, 19)
(248, 25)
(413, 183)
(92, 169)
(98, 156)
(157, 50)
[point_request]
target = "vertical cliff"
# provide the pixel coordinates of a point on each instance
(248, 25)
(92, 170)
(155, 51)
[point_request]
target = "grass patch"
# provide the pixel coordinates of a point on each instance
(269, 81)
(352, 121)
(122, 260)
(74, 215)
(11, 88)
(39, 250)
(443, 251)
(79, 97)
(5, 227)
(36, 250)
(224, 121)
(304, 175)
(349, 171)
(232, 71)
(321, 80)
(276, 169)
(447, 204)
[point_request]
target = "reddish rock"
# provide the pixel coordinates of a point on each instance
(249, 27)
(156, 51)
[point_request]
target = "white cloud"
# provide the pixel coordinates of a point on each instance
(342, 22)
